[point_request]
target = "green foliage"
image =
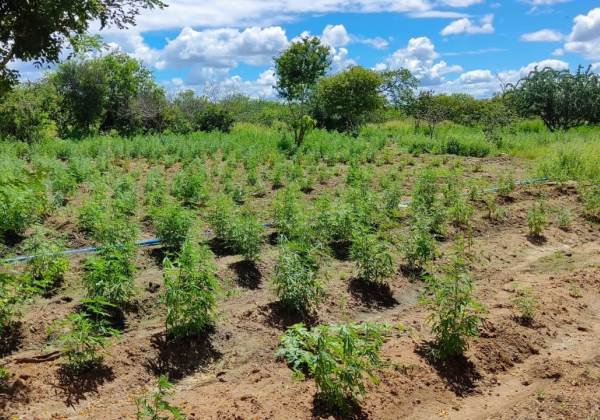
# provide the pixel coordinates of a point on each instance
(428, 109)
(399, 87)
(564, 219)
(240, 231)
(190, 185)
(25, 112)
(289, 217)
(425, 204)
(339, 357)
(103, 94)
(109, 275)
(57, 24)
(10, 298)
(372, 258)
(46, 271)
(591, 202)
(455, 312)
(190, 290)
(295, 280)
(345, 100)
(155, 406)
(560, 98)
(506, 185)
(525, 304)
(172, 224)
(214, 118)
(419, 248)
(4, 377)
(537, 219)
(81, 340)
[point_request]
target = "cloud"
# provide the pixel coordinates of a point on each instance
(476, 76)
(461, 3)
(467, 26)
(584, 38)
(420, 58)
(544, 35)
(224, 48)
(545, 2)
(335, 36)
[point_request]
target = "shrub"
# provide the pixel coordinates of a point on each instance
(190, 290)
(564, 219)
(81, 339)
(22, 203)
(525, 304)
(172, 224)
(591, 202)
(506, 185)
(295, 281)
(240, 232)
(372, 258)
(24, 112)
(214, 118)
(537, 219)
(340, 358)
(455, 311)
(10, 297)
(109, 275)
(46, 271)
(425, 203)
(155, 406)
(288, 215)
(419, 247)
(190, 184)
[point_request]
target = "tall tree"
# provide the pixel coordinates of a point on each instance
(37, 30)
(298, 69)
(399, 87)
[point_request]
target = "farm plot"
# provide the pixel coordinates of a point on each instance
(464, 293)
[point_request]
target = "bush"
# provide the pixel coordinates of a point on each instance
(10, 297)
(455, 311)
(190, 184)
(46, 271)
(525, 304)
(340, 358)
(240, 232)
(295, 281)
(172, 224)
(81, 339)
(155, 406)
(425, 203)
(537, 219)
(288, 215)
(22, 203)
(591, 202)
(419, 247)
(25, 113)
(190, 290)
(110, 274)
(372, 258)
(214, 118)
(345, 100)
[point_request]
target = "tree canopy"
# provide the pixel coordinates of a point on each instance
(37, 30)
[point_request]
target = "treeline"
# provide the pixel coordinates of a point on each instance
(116, 94)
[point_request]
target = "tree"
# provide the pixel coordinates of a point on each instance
(427, 108)
(38, 30)
(346, 99)
(103, 94)
(298, 69)
(561, 99)
(399, 87)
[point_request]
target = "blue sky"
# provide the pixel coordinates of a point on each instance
(451, 45)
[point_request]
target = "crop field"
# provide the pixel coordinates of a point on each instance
(463, 276)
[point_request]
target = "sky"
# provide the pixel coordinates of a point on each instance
(467, 46)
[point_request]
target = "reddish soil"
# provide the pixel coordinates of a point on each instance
(549, 369)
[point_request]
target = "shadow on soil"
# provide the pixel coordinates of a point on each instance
(76, 385)
(460, 373)
(180, 357)
(11, 338)
(278, 316)
(321, 410)
(248, 274)
(373, 295)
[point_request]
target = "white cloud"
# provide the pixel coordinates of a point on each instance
(340, 60)
(543, 35)
(467, 26)
(553, 64)
(420, 57)
(545, 2)
(224, 48)
(461, 3)
(476, 76)
(585, 35)
(335, 36)
(595, 67)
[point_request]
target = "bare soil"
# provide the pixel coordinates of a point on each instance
(547, 369)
